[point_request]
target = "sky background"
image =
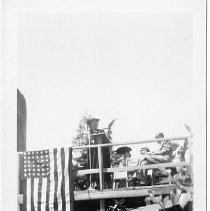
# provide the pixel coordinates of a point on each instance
(130, 66)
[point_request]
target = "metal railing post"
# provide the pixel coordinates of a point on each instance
(101, 181)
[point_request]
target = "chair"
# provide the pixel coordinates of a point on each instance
(122, 176)
(119, 177)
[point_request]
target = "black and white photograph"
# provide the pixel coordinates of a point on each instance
(103, 106)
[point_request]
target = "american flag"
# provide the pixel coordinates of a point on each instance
(48, 179)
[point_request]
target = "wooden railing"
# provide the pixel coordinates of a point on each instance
(102, 170)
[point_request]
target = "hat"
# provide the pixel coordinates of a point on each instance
(123, 150)
(145, 148)
(159, 135)
(89, 121)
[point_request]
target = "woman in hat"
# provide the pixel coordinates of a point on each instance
(121, 178)
(125, 152)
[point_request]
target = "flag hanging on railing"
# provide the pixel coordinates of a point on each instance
(48, 179)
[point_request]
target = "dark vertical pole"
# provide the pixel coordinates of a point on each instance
(21, 143)
(72, 177)
(100, 164)
(21, 122)
(89, 155)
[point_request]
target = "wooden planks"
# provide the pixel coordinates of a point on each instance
(133, 168)
(122, 192)
(180, 138)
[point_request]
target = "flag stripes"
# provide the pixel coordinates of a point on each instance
(39, 193)
(47, 194)
(28, 194)
(36, 192)
(32, 194)
(52, 193)
(66, 172)
(43, 196)
(59, 169)
(55, 201)
(51, 182)
(63, 180)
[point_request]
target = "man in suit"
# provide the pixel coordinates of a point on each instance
(163, 155)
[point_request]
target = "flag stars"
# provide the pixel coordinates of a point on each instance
(36, 164)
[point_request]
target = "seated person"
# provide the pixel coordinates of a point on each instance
(163, 155)
(143, 152)
(120, 177)
(125, 152)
